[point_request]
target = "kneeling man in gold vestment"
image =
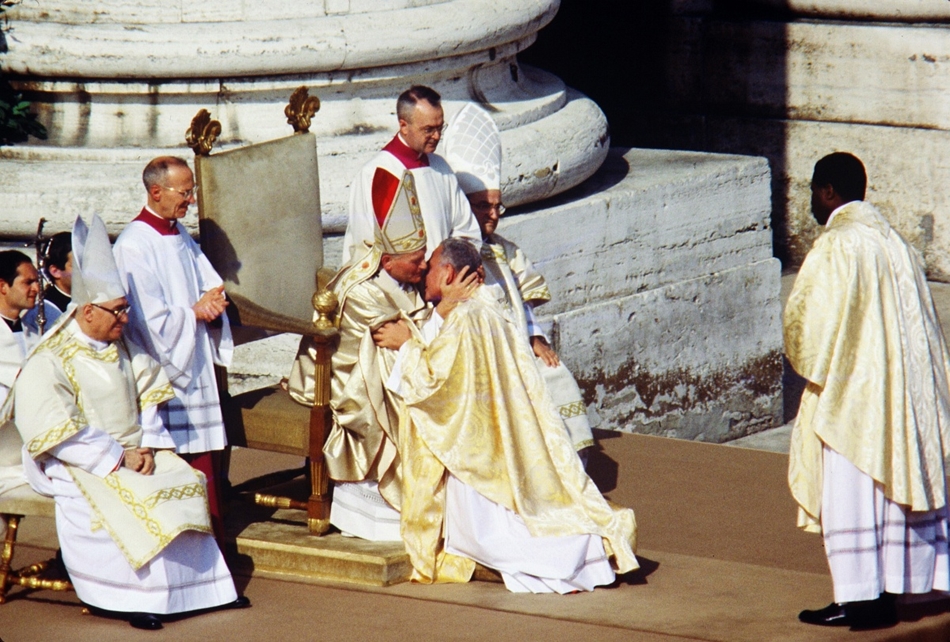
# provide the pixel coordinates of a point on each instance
(489, 473)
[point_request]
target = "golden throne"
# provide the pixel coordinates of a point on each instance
(259, 217)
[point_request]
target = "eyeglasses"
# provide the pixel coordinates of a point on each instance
(485, 207)
(116, 313)
(186, 194)
(432, 131)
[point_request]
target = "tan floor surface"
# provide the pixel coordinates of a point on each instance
(721, 561)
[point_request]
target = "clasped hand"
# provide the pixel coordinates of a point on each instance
(141, 460)
(211, 305)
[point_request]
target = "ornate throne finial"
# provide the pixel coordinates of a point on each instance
(301, 109)
(202, 133)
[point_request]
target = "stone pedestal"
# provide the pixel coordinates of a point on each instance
(804, 78)
(117, 82)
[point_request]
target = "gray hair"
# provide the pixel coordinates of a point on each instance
(460, 253)
(157, 169)
(407, 100)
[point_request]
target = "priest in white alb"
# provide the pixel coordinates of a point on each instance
(131, 516)
(444, 208)
(177, 315)
(866, 464)
(472, 145)
(489, 474)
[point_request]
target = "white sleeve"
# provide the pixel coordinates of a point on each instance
(464, 224)
(167, 331)
(91, 450)
(154, 434)
(222, 344)
(359, 226)
(534, 328)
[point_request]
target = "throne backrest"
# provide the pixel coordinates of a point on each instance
(259, 211)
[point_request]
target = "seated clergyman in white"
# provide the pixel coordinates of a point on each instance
(489, 473)
(131, 516)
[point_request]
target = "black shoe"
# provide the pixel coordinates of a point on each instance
(872, 614)
(832, 615)
(147, 621)
(241, 603)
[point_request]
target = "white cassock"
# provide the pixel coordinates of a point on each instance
(496, 537)
(165, 276)
(445, 209)
(118, 389)
(14, 347)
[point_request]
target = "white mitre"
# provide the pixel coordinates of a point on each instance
(96, 278)
(472, 146)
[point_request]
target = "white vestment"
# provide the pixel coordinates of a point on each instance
(165, 276)
(445, 209)
(113, 407)
(876, 545)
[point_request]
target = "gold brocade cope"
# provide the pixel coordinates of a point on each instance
(860, 326)
(144, 513)
(362, 443)
(476, 408)
(507, 267)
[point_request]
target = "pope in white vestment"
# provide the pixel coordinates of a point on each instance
(361, 452)
(134, 540)
(866, 465)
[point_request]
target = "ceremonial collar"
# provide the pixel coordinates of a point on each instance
(157, 223)
(405, 155)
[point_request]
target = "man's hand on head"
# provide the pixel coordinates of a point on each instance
(544, 352)
(141, 460)
(457, 290)
(392, 334)
(211, 305)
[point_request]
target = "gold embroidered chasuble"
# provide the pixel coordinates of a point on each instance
(860, 326)
(476, 408)
(362, 443)
(67, 385)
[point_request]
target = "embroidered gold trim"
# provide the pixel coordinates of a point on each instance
(189, 491)
(54, 436)
(569, 410)
(156, 396)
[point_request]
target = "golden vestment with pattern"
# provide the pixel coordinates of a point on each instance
(362, 443)
(66, 386)
(476, 408)
(860, 326)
